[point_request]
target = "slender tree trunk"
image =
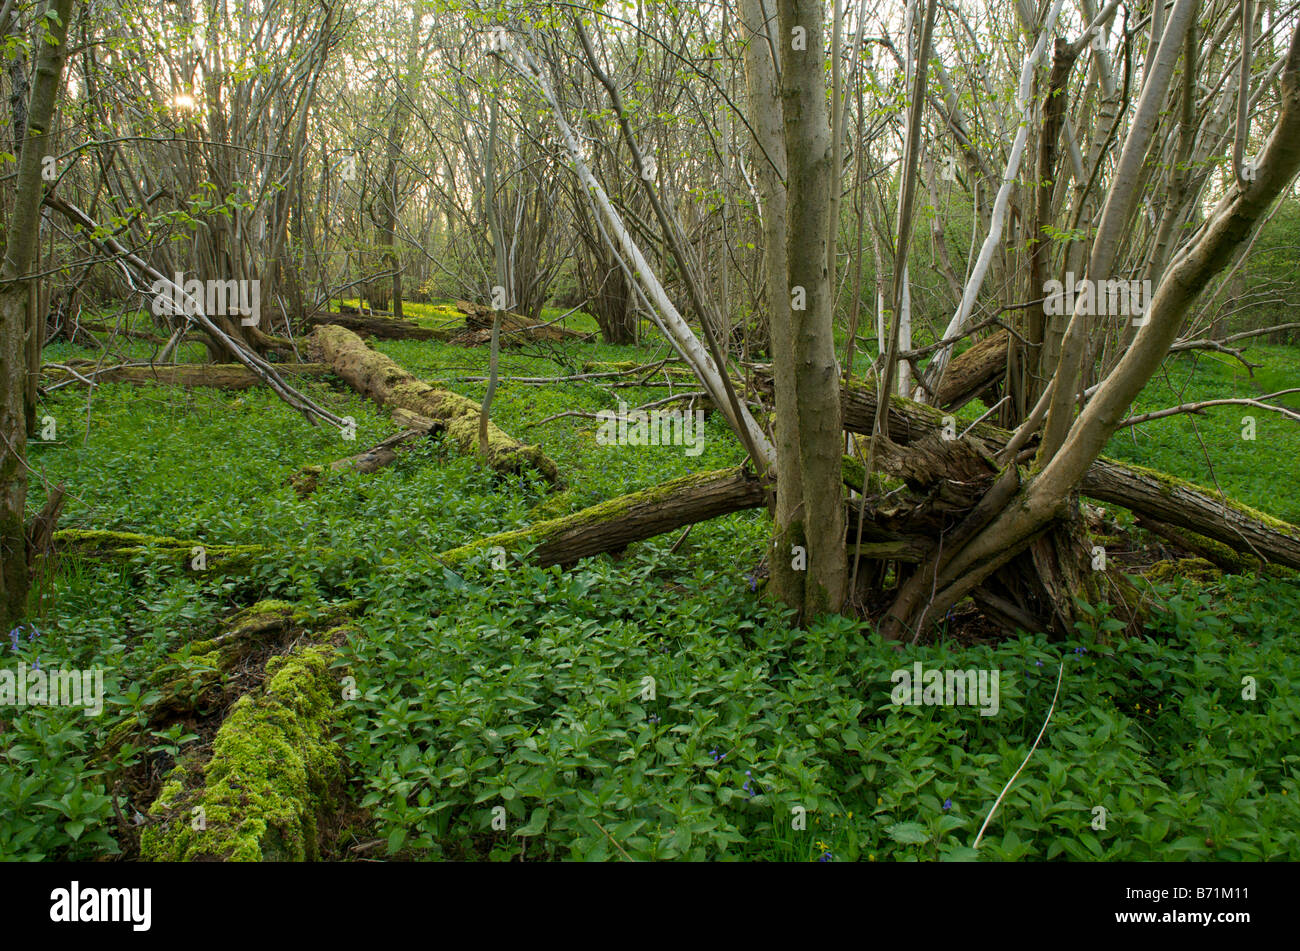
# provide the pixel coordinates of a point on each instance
(809, 176)
(15, 321)
(765, 106)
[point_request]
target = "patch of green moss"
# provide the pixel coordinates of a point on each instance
(261, 794)
(1184, 569)
(553, 506)
(123, 546)
(1171, 483)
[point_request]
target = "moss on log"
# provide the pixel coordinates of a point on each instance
(262, 793)
(374, 375)
(207, 664)
(617, 523)
(124, 546)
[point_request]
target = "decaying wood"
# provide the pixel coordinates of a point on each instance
(375, 376)
(974, 372)
(126, 546)
(514, 328)
(617, 523)
(1167, 499)
(225, 376)
(1219, 555)
(385, 328)
(384, 453)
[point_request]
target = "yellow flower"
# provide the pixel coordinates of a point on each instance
(879, 801)
(871, 857)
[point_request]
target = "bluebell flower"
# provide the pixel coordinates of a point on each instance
(826, 857)
(1038, 663)
(947, 804)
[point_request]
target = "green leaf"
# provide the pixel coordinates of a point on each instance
(908, 833)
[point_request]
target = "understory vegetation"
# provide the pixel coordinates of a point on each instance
(649, 705)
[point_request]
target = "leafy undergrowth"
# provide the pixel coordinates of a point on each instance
(1248, 452)
(646, 706)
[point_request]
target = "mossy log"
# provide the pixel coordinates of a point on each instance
(374, 375)
(269, 781)
(208, 664)
(192, 553)
(224, 376)
(1221, 556)
(1146, 492)
(617, 523)
(385, 328)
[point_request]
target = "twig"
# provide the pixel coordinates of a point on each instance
(997, 802)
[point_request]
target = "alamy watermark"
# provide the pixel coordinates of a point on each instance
(78, 904)
(179, 297)
(654, 427)
(933, 688)
(1097, 298)
(34, 687)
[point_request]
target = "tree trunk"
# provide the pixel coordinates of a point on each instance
(770, 169)
(816, 370)
(15, 320)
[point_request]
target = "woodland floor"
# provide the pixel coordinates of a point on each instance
(524, 688)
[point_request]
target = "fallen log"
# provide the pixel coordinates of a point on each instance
(121, 332)
(374, 375)
(1221, 556)
(224, 376)
(269, 780)
(125, 546)
(384, 453)
(617, 523)
(974, 372)
(1156, 495)
(478, 322)
(208, 667)
(385, 328)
